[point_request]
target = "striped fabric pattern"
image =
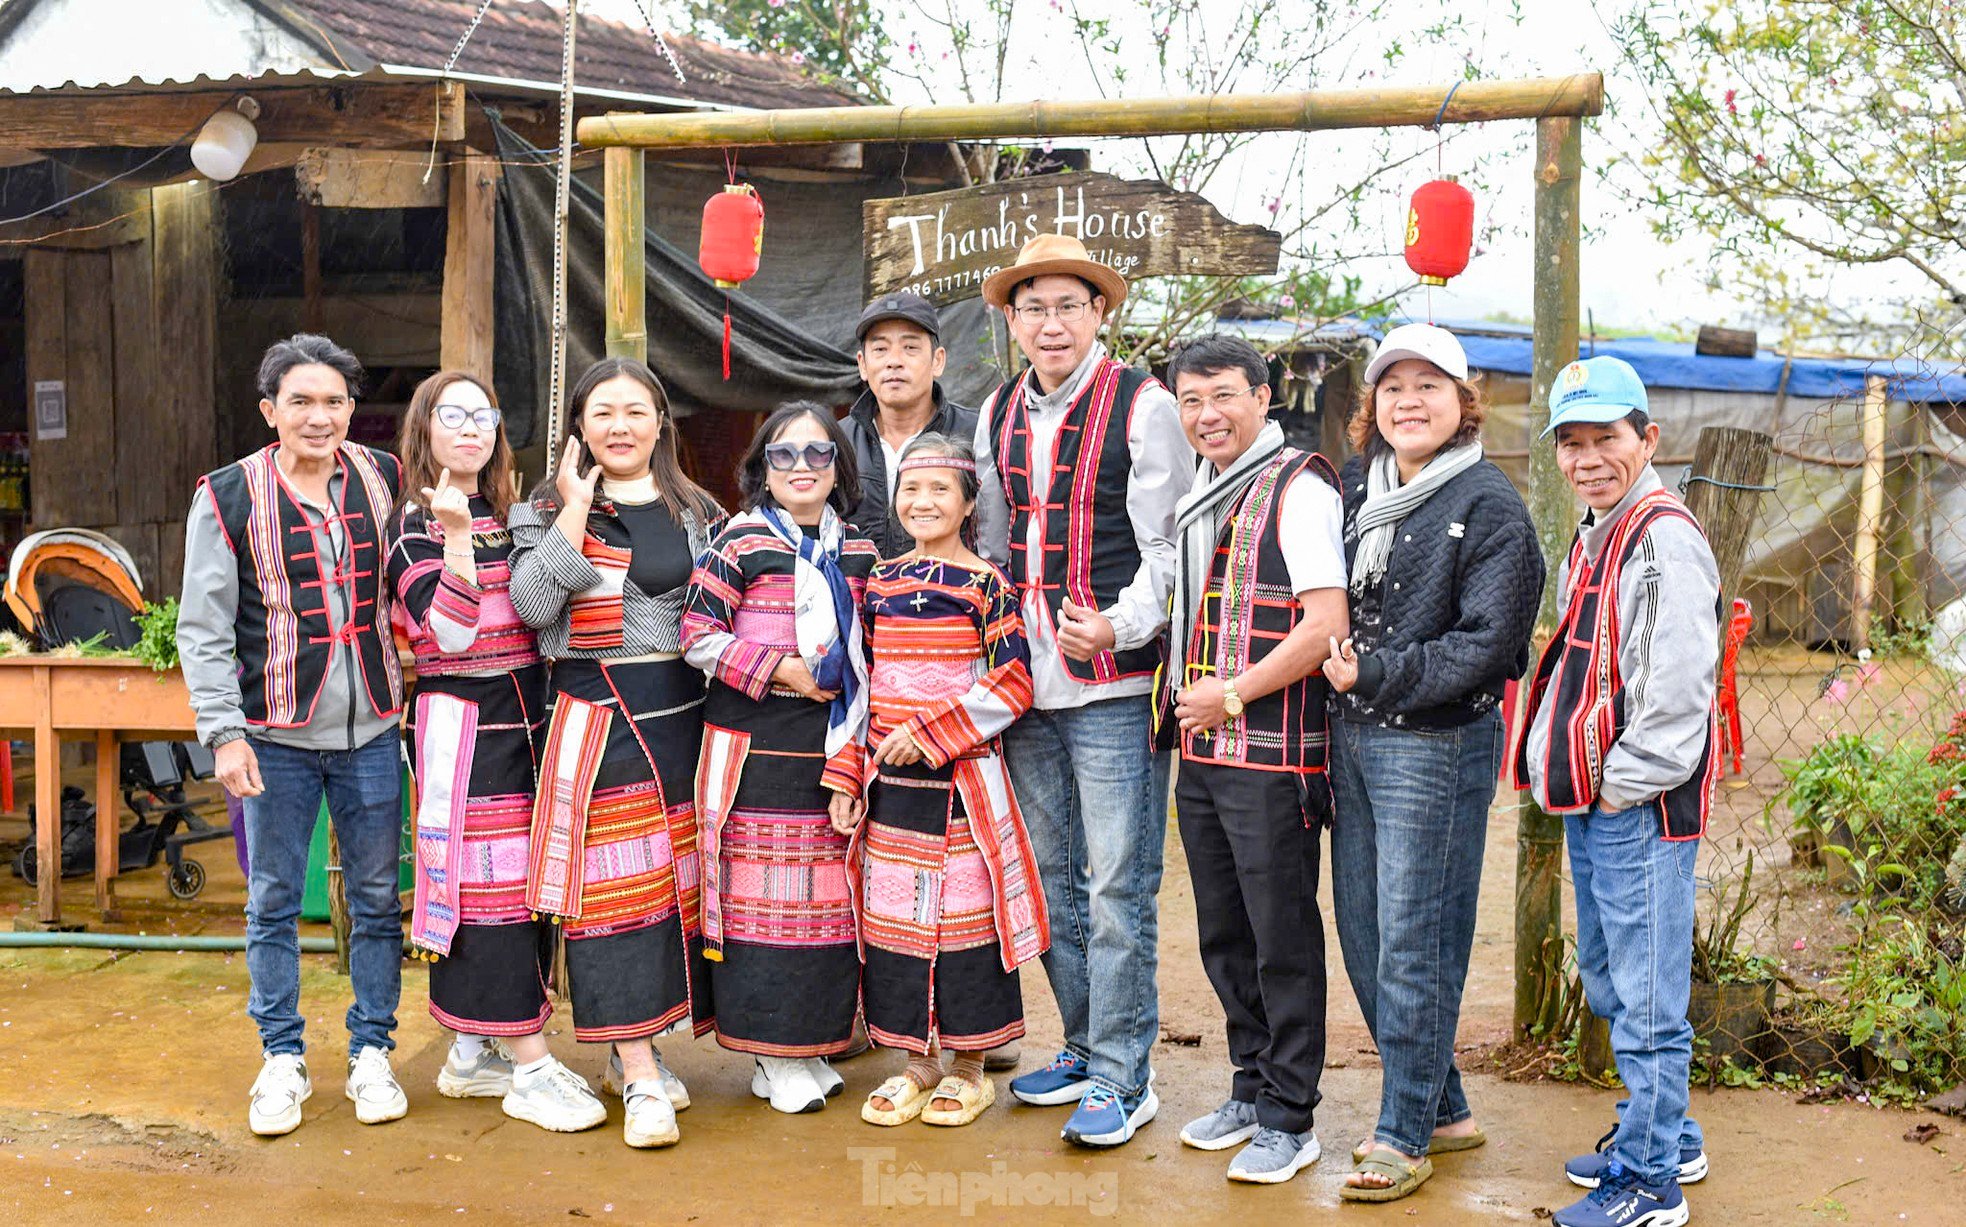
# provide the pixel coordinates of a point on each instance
(594, 614)
(447, 728)
(547, 572)
(574, 741)
(431, 598)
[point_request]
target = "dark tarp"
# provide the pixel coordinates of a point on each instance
(792, 324)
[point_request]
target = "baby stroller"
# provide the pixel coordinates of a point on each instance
(72, 585)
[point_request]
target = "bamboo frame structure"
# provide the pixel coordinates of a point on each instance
(1307, 111)
(1558, 105)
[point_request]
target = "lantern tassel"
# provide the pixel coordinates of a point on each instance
(726, 338)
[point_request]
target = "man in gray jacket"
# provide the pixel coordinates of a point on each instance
(901, 359)
(1620, 738)
(284, 633)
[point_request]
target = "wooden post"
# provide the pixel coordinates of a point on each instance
(1728, 463)
(470, 243)
(47, 804)
(626, 252)
(109, 826)
(310, 268)
(1870, 514)
(1539, 835)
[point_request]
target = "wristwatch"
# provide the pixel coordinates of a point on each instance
(1231, 701)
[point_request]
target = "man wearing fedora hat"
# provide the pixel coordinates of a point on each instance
(1082, 460)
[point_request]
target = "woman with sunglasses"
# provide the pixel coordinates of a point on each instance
(773, 619)
(479, 711)
(600, 562)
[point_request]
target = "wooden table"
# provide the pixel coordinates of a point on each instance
(110, 700)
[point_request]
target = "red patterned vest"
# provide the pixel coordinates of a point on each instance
(1578, 678)
(1089, 548)
(283, 637)
(1246, 611)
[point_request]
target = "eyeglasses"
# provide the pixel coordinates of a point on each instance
(1220, 400)
(485, 417)
(1067, 312)
(785, 456)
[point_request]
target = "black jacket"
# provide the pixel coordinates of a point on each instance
(1457, 605)
(872, 515)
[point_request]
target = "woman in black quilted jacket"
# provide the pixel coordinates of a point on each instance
(1445, 577)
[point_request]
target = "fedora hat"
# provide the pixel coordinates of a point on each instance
(1050, 255)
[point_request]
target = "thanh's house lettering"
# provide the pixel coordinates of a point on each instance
(945, 244)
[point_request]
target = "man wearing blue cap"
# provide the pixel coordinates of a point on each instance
(1619, 738)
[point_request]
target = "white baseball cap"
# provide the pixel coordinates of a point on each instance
(1428, 342)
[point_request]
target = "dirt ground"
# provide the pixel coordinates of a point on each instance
(123, 1086)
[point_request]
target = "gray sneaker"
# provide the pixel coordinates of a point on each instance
(1274, 1157)
(487, 1075)
(1234, 1121)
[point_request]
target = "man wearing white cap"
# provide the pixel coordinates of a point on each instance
(1082, 460)
(1619, 737)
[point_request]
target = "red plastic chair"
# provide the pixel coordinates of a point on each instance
(1730, 695)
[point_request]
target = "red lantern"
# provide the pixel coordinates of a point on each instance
(733, 239)
(1439, 231)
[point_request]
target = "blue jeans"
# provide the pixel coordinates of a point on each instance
(365, 803)
(1635, 956)
(1406, 848)
(1094, 797)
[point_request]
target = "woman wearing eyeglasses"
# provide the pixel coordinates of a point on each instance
(773, 619)
(479, 711)
(600, 562)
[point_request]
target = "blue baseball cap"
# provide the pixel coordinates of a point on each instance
(1602, 389)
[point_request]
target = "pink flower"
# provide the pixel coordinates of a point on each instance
(1868, 674)
(798, 57)
(1287, 301)
(1838, 692)
(1730, 103)
(1801, 943)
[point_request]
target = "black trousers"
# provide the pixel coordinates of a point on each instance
(1254, 866)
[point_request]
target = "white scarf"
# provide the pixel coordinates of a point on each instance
(1198, 525)
(819, 622)
(1387, 503)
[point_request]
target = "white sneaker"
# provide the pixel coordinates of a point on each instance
(650, 1120)
(788, 1083)
(826, 1076)
(485, 1076)
(278, 1092)
(372, 1086)
(554, 1098)
(672, 1086)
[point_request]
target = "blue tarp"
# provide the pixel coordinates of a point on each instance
(1505, 348)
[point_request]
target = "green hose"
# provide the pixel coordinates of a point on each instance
(139, 941)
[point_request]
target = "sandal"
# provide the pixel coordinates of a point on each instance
(973, 1096)
(907, 1096)
(1406, 1176)
(1436, 1145)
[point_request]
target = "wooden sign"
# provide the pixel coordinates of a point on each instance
(944, 244)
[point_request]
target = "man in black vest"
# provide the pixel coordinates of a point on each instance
(1082, 461)
(901, 359)
(285, 638)
(1259, 596)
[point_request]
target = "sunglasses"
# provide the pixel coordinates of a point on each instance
(454, 416)
(785, 456)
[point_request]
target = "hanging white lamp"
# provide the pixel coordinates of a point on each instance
(226, 141)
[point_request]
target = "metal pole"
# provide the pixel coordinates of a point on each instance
(1539, 836)
(557, 377)
(1307, 111)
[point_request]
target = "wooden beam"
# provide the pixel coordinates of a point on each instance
(369, 179)
(185, 282)
(105, 219)
(145, 433)
(1307, 111)
(372, 116)
(624, 240)
(469, 246)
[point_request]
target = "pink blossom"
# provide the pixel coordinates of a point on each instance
(1801, 943)
(1287, 301)
(1838, 692)
(798, 57)
(1868, 674)
(1730, 103)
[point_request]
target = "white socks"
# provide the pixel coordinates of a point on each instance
(468, 1047)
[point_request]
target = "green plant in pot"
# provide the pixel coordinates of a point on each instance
(1820, 786)
(1733, 992)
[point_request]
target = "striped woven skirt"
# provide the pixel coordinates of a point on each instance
(475, 782)
(788, 977)
(934, 964)
(634, 947)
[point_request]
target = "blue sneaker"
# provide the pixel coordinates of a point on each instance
(1106, 1118)
(1585, 1171)
(1065, 1080)
(1621, 1199)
